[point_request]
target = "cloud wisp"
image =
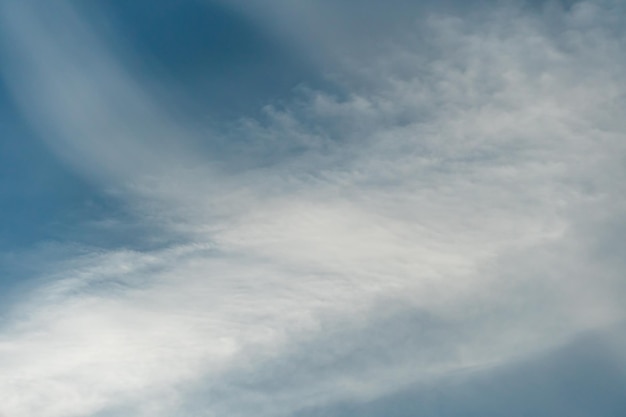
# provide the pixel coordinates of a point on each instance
(449, 205)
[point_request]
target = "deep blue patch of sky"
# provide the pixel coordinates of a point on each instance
(217, 61)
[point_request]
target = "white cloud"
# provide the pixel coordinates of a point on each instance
(457, 186)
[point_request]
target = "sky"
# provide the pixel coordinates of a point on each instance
(307, 208)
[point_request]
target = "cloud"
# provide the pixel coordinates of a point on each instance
(577, 379)
(446, 205)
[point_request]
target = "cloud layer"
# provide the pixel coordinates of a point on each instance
(450, 201)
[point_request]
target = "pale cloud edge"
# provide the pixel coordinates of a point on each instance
(450, 206)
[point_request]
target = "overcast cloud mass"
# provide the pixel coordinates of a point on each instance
(309, 208)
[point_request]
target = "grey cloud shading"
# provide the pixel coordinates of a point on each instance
(578, 379)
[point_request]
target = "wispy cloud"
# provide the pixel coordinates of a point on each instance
(449, 204)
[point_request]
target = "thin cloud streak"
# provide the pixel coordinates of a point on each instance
(458, 189)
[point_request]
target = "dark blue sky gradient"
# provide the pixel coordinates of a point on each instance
(217, 60)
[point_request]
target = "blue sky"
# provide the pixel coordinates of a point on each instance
(312, 208)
